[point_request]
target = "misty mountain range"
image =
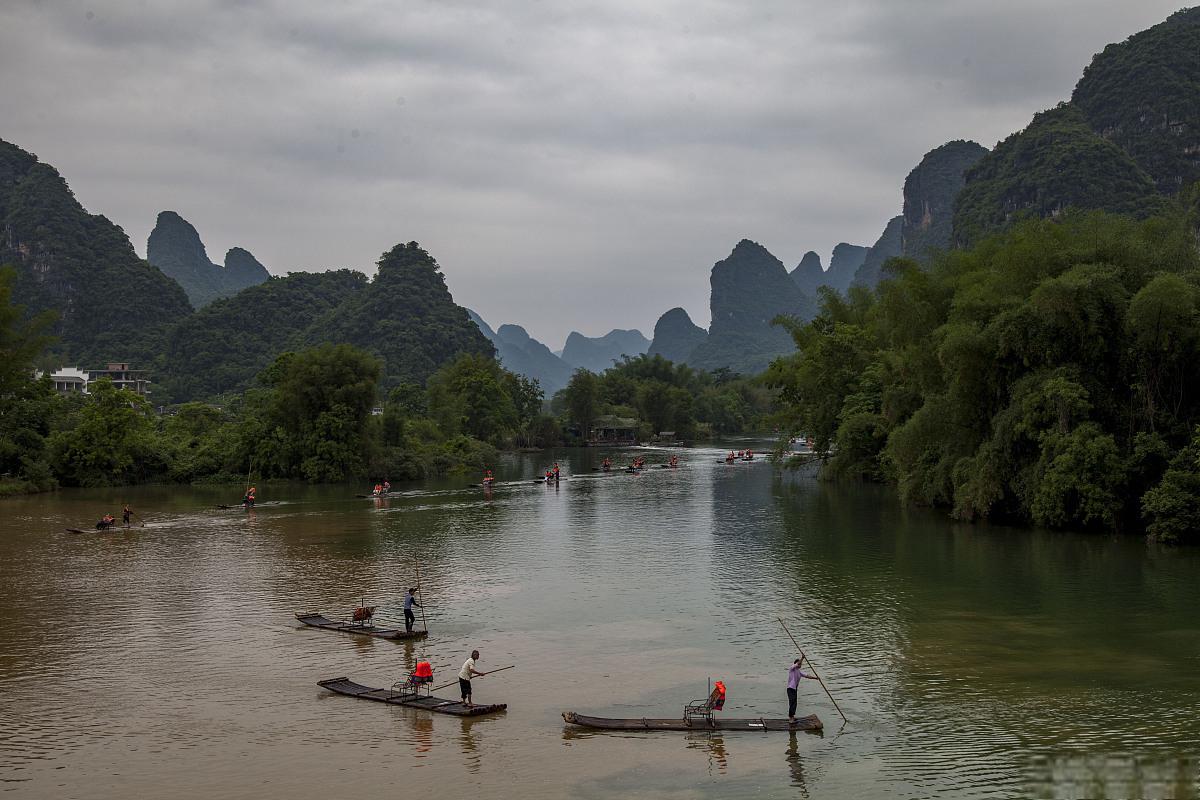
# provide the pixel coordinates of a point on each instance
(1126, 141)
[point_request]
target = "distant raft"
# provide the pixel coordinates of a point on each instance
(437, 705)
(315, 620)
(809, 723)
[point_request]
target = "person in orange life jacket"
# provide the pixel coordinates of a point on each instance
(555, 470)
(423, 673)
(794, 676)
(720, 704)
(248, 500)
(378, 490)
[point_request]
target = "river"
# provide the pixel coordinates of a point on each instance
(971, 661)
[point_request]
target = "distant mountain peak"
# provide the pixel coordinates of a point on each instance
(176, 249)
(599, 353)
(750, 288)
(676, 337)
(520, 353)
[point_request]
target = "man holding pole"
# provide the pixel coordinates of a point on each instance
(464, 678)
(795, 673)
(410, 618)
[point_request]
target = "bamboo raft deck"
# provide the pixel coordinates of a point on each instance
(437, 705)
(314, 619)
(809, 723)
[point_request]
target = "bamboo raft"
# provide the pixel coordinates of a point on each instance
(437, 705)
(315, 620)
(809, 723)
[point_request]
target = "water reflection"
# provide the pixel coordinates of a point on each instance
(795, 764)
(713, 744)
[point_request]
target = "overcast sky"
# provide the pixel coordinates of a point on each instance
(570, 165)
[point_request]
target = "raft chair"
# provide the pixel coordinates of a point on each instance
(419, 681)
(703, 709)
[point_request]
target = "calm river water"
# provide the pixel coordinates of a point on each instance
(971, 661)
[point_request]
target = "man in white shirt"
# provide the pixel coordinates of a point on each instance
(464, 678)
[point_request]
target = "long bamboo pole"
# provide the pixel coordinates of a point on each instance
(455, 681)
(804, 658)
(424, 624)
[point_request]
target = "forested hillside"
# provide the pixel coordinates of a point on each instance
(406, 316)
(1129, 137)
(111, 305)
(1056, 163)
(1143, 95)
(929, 194)
(223, 346)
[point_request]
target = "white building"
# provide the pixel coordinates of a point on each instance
(74, 379)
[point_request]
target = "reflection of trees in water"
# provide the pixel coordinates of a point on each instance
(1089, 775)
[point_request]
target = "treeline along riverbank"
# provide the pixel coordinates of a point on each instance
(1046, 375)
(321, 415)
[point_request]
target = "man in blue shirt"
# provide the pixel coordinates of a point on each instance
(410, 618)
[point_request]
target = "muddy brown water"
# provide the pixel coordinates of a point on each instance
(164, 661)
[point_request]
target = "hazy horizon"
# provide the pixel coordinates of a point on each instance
(570, 169)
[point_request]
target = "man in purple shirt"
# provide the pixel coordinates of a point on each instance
(794, 676)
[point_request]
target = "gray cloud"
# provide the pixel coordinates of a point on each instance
(571, 166)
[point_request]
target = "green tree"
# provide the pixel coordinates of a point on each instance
(113, 442)
(582, 396)
(312, 423)
(471, 395)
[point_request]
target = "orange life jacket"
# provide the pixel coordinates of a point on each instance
(720, 687)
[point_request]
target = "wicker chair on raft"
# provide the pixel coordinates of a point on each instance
(418, 682)
(703, 709)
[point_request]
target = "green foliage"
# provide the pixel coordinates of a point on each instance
(1045, 375)
(582, 399)
(1142, 94)
(26, 407)
(112, 442)
(406, 317)
(666, 397)
(316, 416)
(473, 395)
(1057, 162)
(1172, 508)
(223, 346)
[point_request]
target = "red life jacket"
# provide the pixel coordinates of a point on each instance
(720, 687)
(424, 670)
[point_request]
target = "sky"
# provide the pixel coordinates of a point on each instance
(571, 165)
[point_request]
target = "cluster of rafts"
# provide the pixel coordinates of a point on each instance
(416, 692)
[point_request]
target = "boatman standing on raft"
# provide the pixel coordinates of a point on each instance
(410, 618)
(794, 676)
(464, 678)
